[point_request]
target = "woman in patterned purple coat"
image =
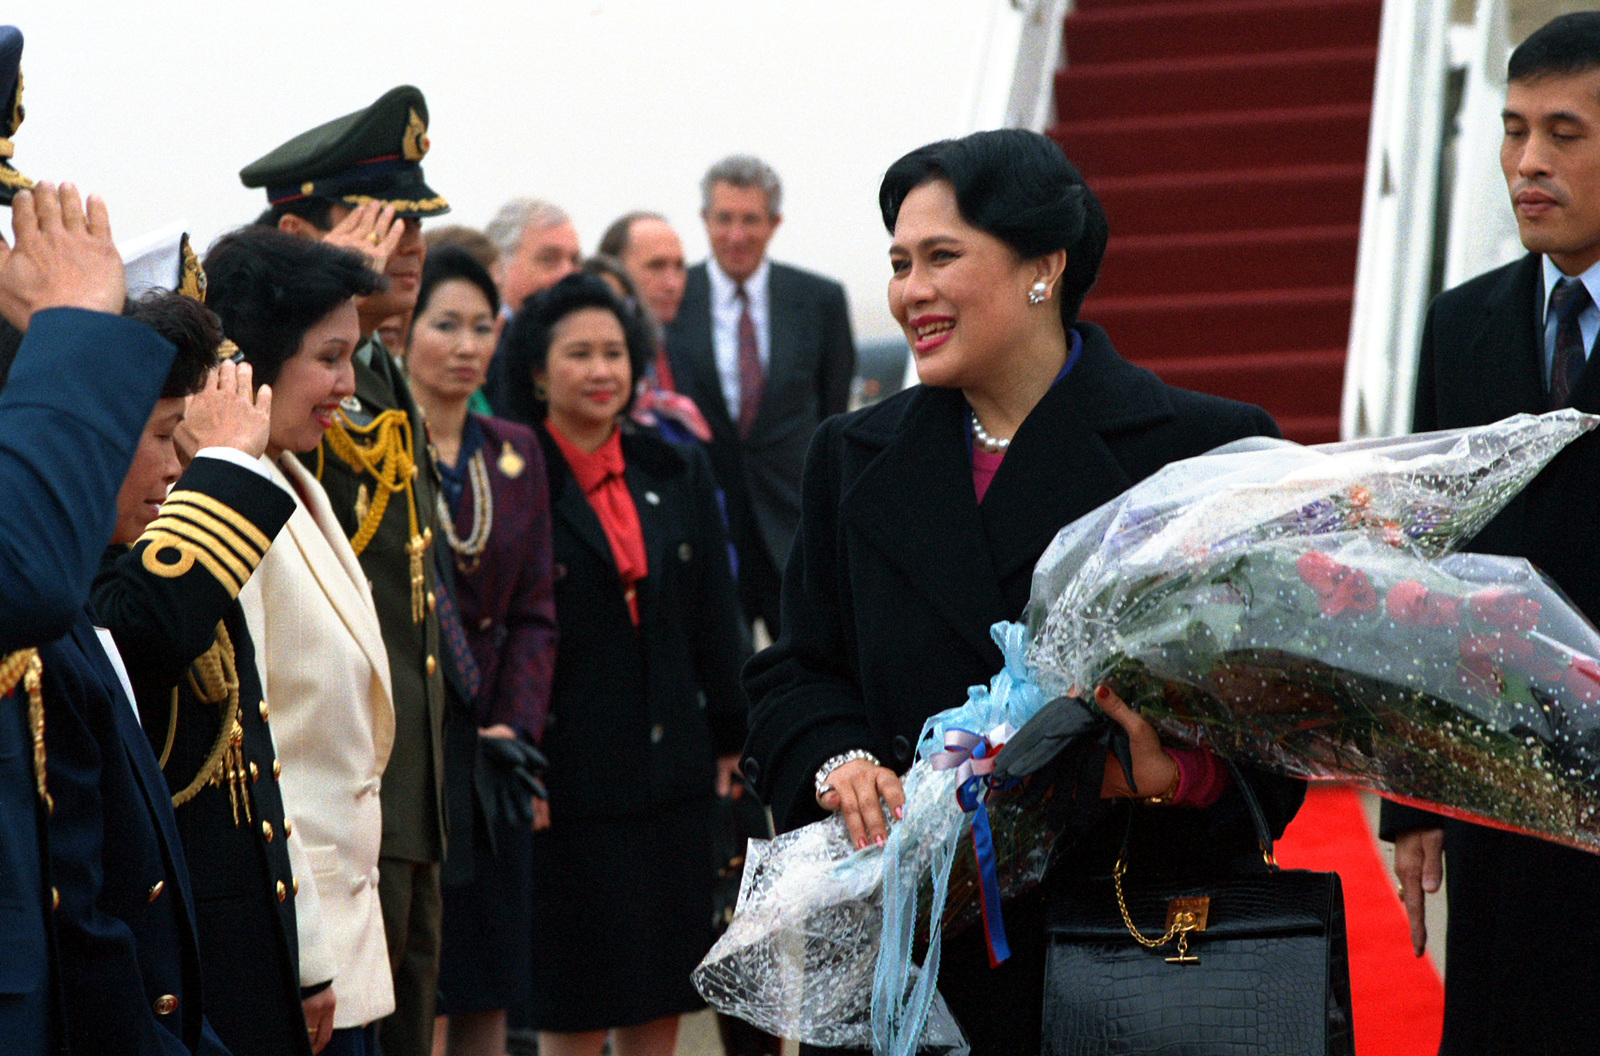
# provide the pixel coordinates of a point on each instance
(495, 514)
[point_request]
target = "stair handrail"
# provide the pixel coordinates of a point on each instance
(1031, 103)
(1394, 264)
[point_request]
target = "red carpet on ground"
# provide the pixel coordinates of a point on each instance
(1398, 998)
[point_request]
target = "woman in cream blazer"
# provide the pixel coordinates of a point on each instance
(288, 304)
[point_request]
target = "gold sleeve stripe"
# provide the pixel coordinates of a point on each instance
(161, 542)
(232, 517)
(208, 531)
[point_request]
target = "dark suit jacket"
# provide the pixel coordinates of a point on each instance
(895, 580)
(1523, 947)
(64, 449)
(638, 716)
(163, 599)
(413, 782)
(811, 361)
(130, 962)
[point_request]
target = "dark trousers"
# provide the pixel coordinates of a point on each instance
(410, 896)
(760, 584)
(354, 1041)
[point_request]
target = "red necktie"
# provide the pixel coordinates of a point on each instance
(751, 378)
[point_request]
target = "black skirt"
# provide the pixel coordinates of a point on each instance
(622, 913)
(484, 955)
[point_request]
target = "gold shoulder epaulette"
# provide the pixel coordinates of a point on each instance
(25, 666)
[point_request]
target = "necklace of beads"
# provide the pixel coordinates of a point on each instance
(470, 552)
(992, 444)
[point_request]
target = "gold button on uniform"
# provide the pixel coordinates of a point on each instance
(265, 711)
(288, 827)
(155, 892)
(277, 768)
(296, 885)
(255, 773)
(432, 601)
(266, 830)
(165, 1005)
(433, 665)
(55, 897)
(283, 892)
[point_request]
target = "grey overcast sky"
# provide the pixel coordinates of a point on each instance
(598, 105)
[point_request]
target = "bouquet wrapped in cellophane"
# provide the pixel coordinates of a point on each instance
(1318, 624)
(1298, 609)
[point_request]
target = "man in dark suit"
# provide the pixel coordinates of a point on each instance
(1523, 950)
(765, 351)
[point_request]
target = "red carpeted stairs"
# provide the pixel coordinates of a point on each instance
(1227, 140)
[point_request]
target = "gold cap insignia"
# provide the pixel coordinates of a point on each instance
(414, 145)
(191, 276)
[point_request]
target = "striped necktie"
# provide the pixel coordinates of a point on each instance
(752, 380)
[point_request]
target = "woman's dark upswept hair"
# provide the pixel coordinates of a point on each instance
(452, 262)
(1019, 187)
(269, 288)
(527, 344)
(193, 330)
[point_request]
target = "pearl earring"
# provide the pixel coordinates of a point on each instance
(1039, 292)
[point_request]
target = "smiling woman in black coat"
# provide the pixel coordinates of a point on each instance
(922, 518)
(646, 714)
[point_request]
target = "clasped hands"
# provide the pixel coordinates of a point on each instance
(860, 791)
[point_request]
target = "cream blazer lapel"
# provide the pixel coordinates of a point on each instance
(320, 539)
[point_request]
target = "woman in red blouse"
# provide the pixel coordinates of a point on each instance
(646, 716)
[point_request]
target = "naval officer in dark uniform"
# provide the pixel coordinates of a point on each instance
(357, 182)
(168, 591)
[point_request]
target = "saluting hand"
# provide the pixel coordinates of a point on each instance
(63, 256)
(371, 230)
(228, 412)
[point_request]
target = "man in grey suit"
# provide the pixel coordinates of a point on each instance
(765, 350)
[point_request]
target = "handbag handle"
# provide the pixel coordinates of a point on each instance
(1257, 816)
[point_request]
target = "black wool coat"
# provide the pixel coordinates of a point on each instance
(1523, 944)
(896, 577)
(638, 715)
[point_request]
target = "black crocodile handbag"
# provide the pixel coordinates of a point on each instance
(1245, 964)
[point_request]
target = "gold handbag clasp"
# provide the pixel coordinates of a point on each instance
(1184, 915)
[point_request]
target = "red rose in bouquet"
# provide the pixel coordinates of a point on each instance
(1339, 587)
(1506, 609)
(1410, 602)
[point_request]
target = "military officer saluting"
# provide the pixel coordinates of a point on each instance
(357, 182)
(168, 592)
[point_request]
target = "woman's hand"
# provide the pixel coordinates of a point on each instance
(319, 1008)
(500, 730)
(1155, 772)
(541, 807)
(858, 792)
(228, 411)
(730, 784)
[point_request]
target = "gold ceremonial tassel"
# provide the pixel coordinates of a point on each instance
(214, 677)
(384, 451)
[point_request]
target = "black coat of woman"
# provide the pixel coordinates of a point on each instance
(899, 571)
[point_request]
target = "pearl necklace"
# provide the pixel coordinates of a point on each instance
(470, 553)
(991, 444)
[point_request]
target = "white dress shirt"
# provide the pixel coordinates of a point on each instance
(1588, 319)
(725, 311)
